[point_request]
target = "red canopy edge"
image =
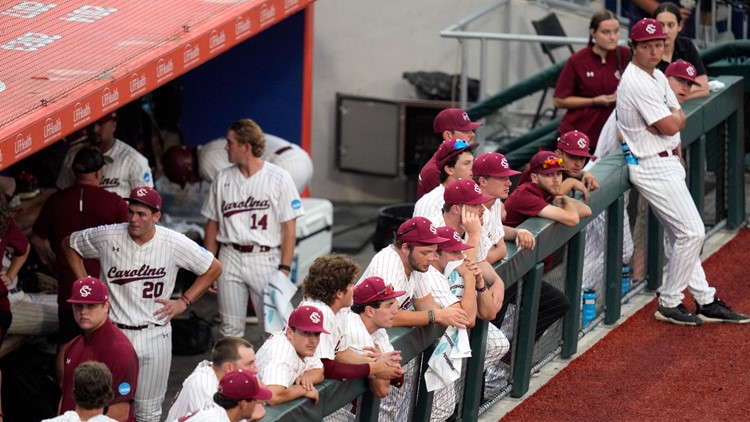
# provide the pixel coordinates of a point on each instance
(87, 103)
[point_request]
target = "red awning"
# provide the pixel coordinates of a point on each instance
(65, 64)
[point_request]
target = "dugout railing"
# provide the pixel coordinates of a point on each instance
(714, 123)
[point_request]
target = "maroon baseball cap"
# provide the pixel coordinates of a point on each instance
(683, 70)
(307, 318)
(452, 119)
(147, 196)
(88, 290)
(242, 385)
(451, 148)
(419, 231)
(374, 288)
(492, 164)
(454, 243)
(465, 191)
(545, 162)
(574, 143)
(647, 29)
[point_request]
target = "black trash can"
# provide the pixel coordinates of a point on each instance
(389, 218)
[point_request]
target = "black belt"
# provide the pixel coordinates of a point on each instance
(282, 150)
(129, 327)
(251, 248)
(667, 153)
(14, 290)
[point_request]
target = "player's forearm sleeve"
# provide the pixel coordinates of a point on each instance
(344, 371)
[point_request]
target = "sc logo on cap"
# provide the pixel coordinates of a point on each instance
(581, 143)
(141, 192)
(85, 291)
(651, 28)
(315, 317)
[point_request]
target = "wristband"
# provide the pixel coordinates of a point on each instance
(186, 300)
(285, 267)
(430, 316)
(483, 289)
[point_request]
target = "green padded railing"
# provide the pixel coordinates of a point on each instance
(722, 110)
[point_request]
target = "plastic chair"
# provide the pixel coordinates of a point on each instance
(550, 26)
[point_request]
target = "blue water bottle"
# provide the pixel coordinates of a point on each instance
(589, 306)
(629, 157)
(625, 279)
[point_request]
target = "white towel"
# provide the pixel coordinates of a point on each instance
(277, 301)
(445, 363)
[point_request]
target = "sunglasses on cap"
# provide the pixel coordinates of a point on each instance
(460, 144)
(552, 162)
(388, 290)
(399, 234)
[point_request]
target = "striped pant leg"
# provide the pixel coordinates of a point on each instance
(154, 349)
(661, 181)
(232, 293)
(495, 372)
(33, 313)
(263, 265)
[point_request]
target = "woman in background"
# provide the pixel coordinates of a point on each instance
(677, 47)
(587, 84)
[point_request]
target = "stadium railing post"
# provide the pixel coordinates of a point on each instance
(613, 277)
(475, 372)
(572, 319)
(655, 248)
(526, 329)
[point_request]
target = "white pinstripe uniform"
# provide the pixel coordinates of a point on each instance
(333, 323)
(72, 416)
(431, 203)
(642, 100)
(387, 265)
(209, 412)
(136, 276)
(197, 390)
(249, 212)
(279, 364)
(34, 314)
(212, 158)
(356, 336)
(128, 170)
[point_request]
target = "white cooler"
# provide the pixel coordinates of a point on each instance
(313, 236)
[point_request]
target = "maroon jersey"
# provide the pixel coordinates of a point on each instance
(584, 75)
(16, 240)
(108, 345)
(525, 202)
(76, 208)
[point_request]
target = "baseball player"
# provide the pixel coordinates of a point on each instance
(286, 361)
(184, 164)
(451, 123)
(491, 172)
(14, 243)
(329, 286)
(128, 168)
(451, 263)
(101, 341)
(92, 392)
(650, 118)
(78, 207)
(239, 398)
(573, 148)
(229, 354)
(252, 210)
(407, 264)
(454, 158)
(139, 262)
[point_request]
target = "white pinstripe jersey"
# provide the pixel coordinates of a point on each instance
(357, 337)
(250, 210)
(129, 169)
(72, 416)
(329, 343)
(431, 203)
(212, 158)
(211, 412)
(493, 222)
(484, 237)
(387, 265)
(197, 390)
(279, 364)
(642, 100)
(138, 275)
